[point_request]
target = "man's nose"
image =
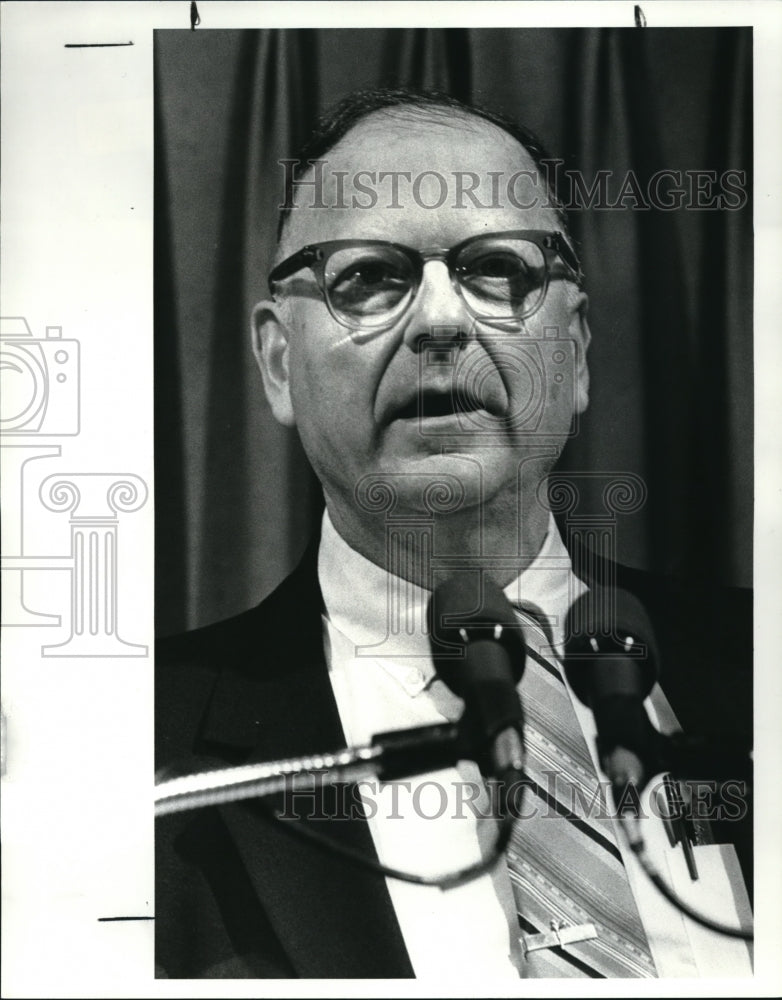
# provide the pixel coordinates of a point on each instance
(438, 310)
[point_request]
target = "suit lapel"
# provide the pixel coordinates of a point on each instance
(329, 914)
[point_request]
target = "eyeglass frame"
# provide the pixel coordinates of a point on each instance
(551, 243)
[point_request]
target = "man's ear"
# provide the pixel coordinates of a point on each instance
(579, 331)
(272, 352)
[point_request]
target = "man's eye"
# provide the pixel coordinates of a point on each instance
(368, 285)
(375, 274)
(498, 265)
(367, 274)
(501, 276)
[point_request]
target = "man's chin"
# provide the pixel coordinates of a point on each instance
(446, 477)
(439, 441)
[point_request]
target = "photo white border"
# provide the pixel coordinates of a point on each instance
(77, 224)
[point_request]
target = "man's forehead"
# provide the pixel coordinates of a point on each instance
(409, 135)
(443, 173)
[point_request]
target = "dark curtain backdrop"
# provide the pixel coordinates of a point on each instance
(671, 292)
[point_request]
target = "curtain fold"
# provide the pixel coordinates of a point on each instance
(172, 565)
(599, 139)
(670, 292)
(725, 323)
(261, 496)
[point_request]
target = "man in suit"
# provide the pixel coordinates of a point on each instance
(426, 335)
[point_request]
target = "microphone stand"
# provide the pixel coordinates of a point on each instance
(231, 784)
(390, 755)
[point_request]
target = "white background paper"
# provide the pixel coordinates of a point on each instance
(77, 227)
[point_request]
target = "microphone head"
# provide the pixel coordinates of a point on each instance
(609, 646)
(467, 608)
(611, 664)
(479, 652)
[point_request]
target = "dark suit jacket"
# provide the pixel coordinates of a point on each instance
(236, 894)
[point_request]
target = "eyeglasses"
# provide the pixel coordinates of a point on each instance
(369, 284)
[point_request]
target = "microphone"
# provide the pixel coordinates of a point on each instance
(612, 670)
(479, 653)
(611, 664)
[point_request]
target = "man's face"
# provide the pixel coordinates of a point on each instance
(438, 392)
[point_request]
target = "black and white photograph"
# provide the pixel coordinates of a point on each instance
(390, 473)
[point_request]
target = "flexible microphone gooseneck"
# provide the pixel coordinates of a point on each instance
(479, 653)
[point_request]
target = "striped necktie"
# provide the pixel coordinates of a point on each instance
(564, 862)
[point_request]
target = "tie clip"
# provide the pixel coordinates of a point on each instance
(559, 936)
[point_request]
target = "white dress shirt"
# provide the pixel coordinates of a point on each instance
(383, 679)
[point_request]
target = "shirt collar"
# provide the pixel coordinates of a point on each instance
(383, 616)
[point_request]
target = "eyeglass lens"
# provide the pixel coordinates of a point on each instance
(500, 278)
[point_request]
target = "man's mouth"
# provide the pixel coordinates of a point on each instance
(433, 403)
